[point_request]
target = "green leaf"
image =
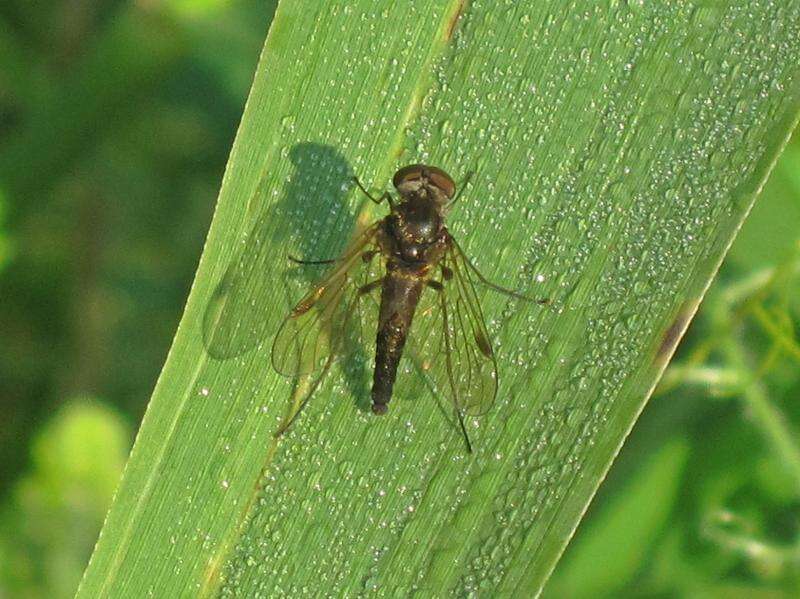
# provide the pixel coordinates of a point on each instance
(616, 150)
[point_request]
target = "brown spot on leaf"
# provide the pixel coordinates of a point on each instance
(672, 335)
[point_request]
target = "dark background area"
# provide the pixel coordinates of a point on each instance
(116, 119)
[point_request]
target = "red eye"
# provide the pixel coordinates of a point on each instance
(436, 176)
(407, 173)
(442, 180)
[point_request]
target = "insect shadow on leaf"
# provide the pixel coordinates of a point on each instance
(236, 319)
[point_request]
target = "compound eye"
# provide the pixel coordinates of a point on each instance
(442, 180)
(415, 173)
(406, 174)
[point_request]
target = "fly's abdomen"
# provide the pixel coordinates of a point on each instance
(399, 297)
(389, 348)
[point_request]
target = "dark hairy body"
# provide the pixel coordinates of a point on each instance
(419, 257)
(399, 297)
(414, 239)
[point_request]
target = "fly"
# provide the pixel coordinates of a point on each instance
(424, 279)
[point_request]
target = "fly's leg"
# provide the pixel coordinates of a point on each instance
(386, 195)
(498, 288)
(369, 287)
(314, 262)
(436, 285)
(461, 188)
(366, 257)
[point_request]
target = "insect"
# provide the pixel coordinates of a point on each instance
(424, 279)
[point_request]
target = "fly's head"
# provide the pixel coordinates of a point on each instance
(417, 222)
(427, 182)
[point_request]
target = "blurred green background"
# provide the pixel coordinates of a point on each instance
(116, 119)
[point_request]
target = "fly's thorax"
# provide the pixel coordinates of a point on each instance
(416, 224)
(416, 227)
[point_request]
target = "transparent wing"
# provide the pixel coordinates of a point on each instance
(449, 339)
(334, 317)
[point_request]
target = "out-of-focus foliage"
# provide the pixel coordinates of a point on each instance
(5, 242)
(51, 515)
(116, 119)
